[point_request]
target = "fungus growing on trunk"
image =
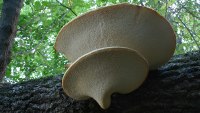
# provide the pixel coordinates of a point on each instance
(111, 50)
(125, 25)
(102, 72)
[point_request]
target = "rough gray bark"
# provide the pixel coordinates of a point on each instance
(9, 17)
(174, 88)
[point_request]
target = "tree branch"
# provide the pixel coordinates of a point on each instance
(188, 11)
(173, 88)
(67, 8)
(190, 32)
(166, 5)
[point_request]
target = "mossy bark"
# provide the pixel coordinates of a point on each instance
(173, 88)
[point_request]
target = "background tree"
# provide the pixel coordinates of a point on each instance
(8, 22)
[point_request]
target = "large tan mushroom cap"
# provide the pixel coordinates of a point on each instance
(125, 25)
(101, 72)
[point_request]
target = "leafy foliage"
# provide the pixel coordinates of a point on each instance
(40, 21)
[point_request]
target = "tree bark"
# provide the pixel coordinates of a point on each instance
(173, 88)
(9, 17)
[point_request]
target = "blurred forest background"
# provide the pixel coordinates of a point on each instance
(33, 55)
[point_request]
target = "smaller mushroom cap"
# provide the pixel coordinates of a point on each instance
(102, 72)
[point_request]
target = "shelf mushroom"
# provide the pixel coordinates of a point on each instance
(104, 71)
(111, 50)
(125, 25)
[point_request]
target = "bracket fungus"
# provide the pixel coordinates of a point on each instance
(111, 49)
(101, 72)
(126, 25)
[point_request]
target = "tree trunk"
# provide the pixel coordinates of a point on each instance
(10, 13)
(173, 88)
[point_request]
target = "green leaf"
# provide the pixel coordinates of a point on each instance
(155, 1)
(45, 3)
(37, 5)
